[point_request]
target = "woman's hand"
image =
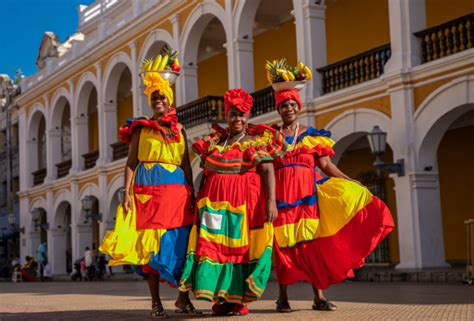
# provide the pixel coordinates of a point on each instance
(126, 203)
(272, 211)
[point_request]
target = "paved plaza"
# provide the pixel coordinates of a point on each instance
(128, 300)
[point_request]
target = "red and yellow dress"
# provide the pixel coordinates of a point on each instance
(325, 228)
(230, 247)
(153, 236)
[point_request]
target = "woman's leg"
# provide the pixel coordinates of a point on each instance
(184, 305)
(282, 303)
(157, 310)
(320, 302)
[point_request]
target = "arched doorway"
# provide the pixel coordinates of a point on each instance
(204, 54)
(87, 124)
(37, 146)
(265, 25)
(455, 157)
(60, 136)
(118, 105)
(61, 247)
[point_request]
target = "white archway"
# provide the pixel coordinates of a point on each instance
(36, 141)
(437, 112)
(353, 124)
(117, 65)
(85, 118)
(156, 36)
(190, 38)
(112, 199)
(59, 132)
(60, 248)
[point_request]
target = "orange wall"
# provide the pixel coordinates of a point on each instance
(124, 111)
(213, 76)
(359, 161)
(455, 159)
(439, 11)
(353, 27)
(270, 45)
(93, 124)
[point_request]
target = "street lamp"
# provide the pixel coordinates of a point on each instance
(378, 143)
(121, 194)
(12, 221)
(36, 214)
(87, 203)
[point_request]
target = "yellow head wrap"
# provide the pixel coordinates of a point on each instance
(154, 82)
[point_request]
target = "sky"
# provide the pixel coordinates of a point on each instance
(22, 25)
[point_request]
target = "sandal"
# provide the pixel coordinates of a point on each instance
(222, 308)
(283, 306)
(324, 305)
(158, 312)
(188, 309)
(240, 309)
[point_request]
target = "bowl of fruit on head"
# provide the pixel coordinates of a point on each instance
(165, 64)
(284, 77)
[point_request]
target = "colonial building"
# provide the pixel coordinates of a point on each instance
(9, 175)
(406, 66)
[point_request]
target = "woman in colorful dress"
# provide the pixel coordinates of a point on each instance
(230, 247)
(325, 227)
(154, 220)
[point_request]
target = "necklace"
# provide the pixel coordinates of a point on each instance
(238, 140)
(295, 137)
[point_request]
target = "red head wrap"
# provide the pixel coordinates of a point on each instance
(239, 99)
(284, 95)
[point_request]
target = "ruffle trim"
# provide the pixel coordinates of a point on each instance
(268, 146)
(313, 141)
(217, 282)
(126, 131)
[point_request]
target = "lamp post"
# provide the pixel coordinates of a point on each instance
(12, 221)
(121, 194)
(378, 143)
(87, 203)
(36, 214)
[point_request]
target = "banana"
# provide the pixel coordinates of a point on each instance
(308, 73)
(176, 62)
(269, 78)
(147, 66)
(156, 62)
(291, 76)
(283, 73)
(163, 63)
(300, 66)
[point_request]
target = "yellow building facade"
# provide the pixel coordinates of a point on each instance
(406, 66)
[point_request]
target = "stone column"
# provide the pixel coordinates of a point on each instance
(244, 68)
(406, 17)
(310, 20)
(53, 153)
(420, 227)
(57, 250)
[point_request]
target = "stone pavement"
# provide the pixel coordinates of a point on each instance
(112, 300)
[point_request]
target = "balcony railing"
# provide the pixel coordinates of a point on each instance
(447, 38)
(202, 110)
(119, 150)
(263, 101)
(90, 159)
(38, 176)
(88, 13)
(63, 168)
(354, 70)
